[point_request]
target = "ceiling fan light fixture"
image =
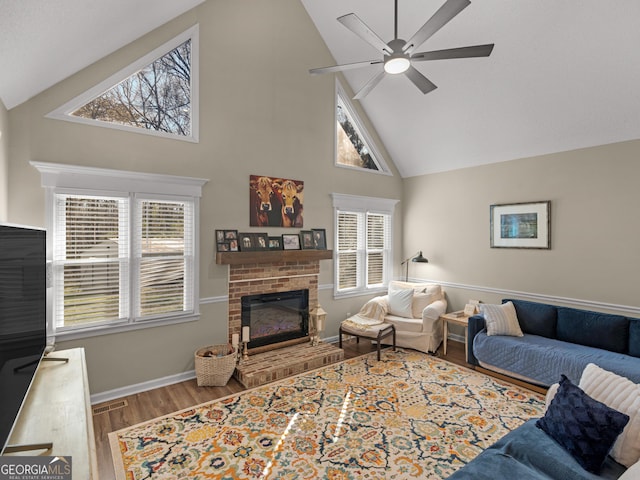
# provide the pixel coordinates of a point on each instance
(396, 64)
(399, 55)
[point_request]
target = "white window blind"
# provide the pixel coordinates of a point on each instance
(349, 232)
(378, 240)
(90, 261)
(163, 246)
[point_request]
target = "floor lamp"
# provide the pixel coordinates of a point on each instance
(418, 258)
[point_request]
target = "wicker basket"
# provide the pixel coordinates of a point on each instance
(214, 371)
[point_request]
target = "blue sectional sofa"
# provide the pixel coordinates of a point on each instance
(527, 453)
(557, 340)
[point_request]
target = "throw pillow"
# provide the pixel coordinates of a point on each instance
(623, 395)
(424, 298)
(501, 319)
(400, 300)
(583, 426)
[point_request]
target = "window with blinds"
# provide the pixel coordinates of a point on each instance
(121, 259)
(364, 244)
(122, 247)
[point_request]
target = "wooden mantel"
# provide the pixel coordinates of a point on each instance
(272, 256)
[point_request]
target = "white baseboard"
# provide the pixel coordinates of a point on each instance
(141, 387)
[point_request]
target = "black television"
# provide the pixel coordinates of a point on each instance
(23, 324)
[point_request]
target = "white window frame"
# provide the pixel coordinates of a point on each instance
(64, 112)
(383, 169)
(71, 179)
(363, 205)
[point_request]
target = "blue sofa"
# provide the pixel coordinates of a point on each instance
(527, 453)
(557, 340)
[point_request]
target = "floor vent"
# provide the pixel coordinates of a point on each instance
(110, 406)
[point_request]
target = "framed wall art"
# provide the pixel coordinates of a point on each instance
(306, 240)
(227, 240)
(261, 241)
(319, 238)
(275, 243)
(275, 202)
(521, 225)
(245, 242)
(290, 241)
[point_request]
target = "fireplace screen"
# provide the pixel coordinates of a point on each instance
(276, 317)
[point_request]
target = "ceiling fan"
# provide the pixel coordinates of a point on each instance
(398, 54)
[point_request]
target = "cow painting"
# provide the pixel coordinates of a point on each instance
(275, 202)
(291, 195)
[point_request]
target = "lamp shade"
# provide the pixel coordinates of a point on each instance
(419, 258)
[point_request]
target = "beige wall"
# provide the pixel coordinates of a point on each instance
(260, 113)
(594, 252)
(4, 161)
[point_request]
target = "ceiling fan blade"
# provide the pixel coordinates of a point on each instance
(357, 26)
(461, 52)
(445, 13)
(341, 68)
(419, 80)
(364, 91)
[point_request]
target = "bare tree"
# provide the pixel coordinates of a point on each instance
(158, 97)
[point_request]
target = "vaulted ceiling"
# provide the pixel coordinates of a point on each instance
(564, 74)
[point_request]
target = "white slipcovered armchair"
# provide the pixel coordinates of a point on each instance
(414, 309)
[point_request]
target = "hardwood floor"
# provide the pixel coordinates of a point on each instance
(161, 401)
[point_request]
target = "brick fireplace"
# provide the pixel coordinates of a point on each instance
(252, 273)
(264, 278)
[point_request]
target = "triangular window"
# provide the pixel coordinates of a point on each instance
(354, 147)
(157, 94)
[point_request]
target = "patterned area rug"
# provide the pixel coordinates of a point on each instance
(408, 416)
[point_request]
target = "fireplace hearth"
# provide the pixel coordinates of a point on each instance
(276, 317)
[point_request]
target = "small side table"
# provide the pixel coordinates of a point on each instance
(454, 318)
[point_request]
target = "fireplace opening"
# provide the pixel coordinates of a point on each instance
(276, 317)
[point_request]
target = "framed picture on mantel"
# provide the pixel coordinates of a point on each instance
(275, 243)
(306, 239)
(227, 240)
(319, 238)
(521, 225)
(291, 241)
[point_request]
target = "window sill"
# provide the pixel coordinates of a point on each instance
(360, 293)
(123, 327)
